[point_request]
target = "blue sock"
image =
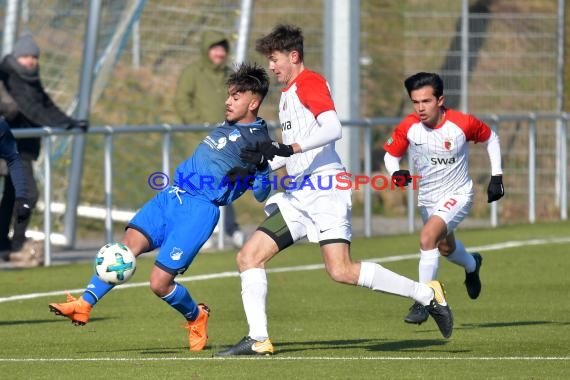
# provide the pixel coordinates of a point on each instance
(96, 289)
(180, 299)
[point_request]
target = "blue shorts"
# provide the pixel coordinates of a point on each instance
(177, 223)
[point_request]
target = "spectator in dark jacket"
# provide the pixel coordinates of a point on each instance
(9, 153)
(25, 104)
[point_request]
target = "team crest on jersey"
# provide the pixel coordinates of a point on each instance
(448, 144)
(176, 254)
(234, 135)
(389, 141)
(221, 143)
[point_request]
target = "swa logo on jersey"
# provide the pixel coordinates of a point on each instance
(442, 160)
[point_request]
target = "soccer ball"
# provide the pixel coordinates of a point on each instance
(115, 263)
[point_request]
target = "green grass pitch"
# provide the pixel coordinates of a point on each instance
(518, 328)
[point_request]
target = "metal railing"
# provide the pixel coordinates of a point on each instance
(367, 126)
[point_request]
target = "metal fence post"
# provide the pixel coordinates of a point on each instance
(368, 173)
(136, 48)
(10, 26)
(221, 228)
(532, 168)
(494, 209)
(166, 143)
(78, 149)
(410, 200)
(108, 170)
(564, 167)
(46, 142)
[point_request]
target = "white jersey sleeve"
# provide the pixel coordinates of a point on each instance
(300, 105)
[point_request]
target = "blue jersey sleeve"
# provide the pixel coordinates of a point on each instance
(262, 186)
(204, 174)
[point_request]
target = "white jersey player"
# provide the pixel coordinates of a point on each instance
(436, 138)
(310, 127)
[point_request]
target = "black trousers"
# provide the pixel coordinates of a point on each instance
(230, 223)
(7, 209)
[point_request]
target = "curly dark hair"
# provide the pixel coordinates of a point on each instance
(249, 77)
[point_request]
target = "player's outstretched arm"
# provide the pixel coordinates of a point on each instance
(329, 130)
(495, 190)
(392, 163)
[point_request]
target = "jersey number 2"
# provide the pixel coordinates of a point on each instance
(450, 203)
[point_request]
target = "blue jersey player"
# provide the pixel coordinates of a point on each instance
(179, 219)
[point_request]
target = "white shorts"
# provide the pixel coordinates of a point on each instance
(452, 209)
(319, 214)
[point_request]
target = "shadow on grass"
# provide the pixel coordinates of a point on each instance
(143, 351)
(365, 344)
(408, 345)
(56, 319)
(467, 326)
(372, 345)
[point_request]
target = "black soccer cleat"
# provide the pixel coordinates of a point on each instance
(249, 346)
(472, 280)
(418, 314)
(439, 309)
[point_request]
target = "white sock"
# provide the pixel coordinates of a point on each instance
(380, 279)
(429, 264)
(462, 258)
(423, 294)
(254, 295)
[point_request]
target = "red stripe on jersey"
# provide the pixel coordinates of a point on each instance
(398, 143)
(473, 128)
(313, 92)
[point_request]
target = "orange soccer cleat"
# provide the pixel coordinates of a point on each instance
(197, 334)
(75, 309)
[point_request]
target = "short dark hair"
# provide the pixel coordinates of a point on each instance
(423, 79)
(284, 38)
(249, 77)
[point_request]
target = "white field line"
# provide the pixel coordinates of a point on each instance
(295, 358)
(202, 277)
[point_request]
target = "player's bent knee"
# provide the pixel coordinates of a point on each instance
(247, 259)
(159, 288)
(256, 252)
(341, 275)
(427, 241)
